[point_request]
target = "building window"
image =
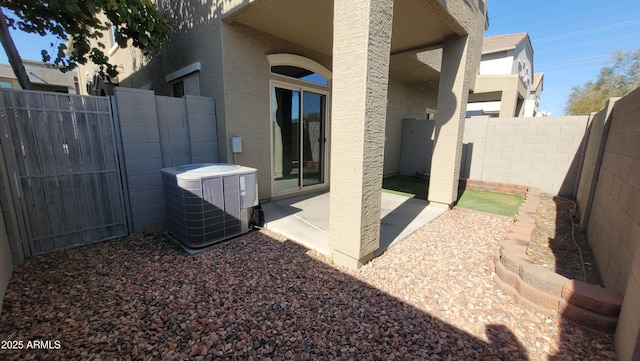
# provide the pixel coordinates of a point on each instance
(5, 84)
(113, 43)
(188, 85)
(299, 73)
(298, 67)
(112, 35)
(185, 81)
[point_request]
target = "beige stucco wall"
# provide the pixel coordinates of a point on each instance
(43, 77)
(235, 72)
(14, 82)
(247, 82)
(405, 101)
(197, 39)
(511, 87)
(362, 37)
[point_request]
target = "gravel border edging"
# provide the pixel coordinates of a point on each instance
(534, 286)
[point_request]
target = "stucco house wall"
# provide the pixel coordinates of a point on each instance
(523, 54)
(503, 57)
(510, 88)
(228, 44)
(235, 72)
(247, 81)
(506, 61)
(496, 63)
(43, 77)
(405, 101)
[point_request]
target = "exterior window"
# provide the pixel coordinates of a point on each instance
(112, 40)
(187, 85)
(112, 35)
(299, 73)
(5, 84)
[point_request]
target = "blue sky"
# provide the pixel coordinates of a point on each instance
(30, 45)
(572, 39)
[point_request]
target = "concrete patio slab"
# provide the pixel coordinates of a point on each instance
(305, 219)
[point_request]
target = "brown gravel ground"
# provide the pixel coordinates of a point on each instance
(552, 244)
(261, 297)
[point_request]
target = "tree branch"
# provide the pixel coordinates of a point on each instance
(12, 53)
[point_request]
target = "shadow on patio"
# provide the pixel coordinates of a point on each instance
(305, 219)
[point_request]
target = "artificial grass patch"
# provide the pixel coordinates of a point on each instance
(490, 202)
(405, 186)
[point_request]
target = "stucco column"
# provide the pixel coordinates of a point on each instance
(509, 102)
(449, 128)
(361, 47)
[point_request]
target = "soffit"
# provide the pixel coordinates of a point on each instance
(416, 25)
(409, 68)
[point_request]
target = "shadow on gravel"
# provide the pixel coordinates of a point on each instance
(573, 260)
(254, 297)
(573, 256)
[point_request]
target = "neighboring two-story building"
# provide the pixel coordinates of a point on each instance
(44, 77)
(317, 91)
(506, 85)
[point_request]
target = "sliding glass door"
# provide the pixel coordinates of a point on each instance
(298, 138)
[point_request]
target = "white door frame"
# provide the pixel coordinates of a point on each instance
(285, 82)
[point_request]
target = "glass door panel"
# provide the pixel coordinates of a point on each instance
(298, 118)
(285, 115)
(313, 138)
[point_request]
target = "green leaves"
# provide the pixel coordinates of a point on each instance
(72, 7)
(45, 57)
(85, 22)
(618, 77)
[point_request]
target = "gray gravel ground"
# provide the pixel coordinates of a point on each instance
(261, 297)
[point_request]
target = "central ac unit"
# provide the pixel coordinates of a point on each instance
(208, 203)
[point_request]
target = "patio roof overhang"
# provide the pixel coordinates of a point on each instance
(418, 26)
(491, 87)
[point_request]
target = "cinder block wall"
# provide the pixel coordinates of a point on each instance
(613, 228)
(159, 132)
(201, 122)
(596, 137)
(543, 152)
(143, 158)
(187, 128)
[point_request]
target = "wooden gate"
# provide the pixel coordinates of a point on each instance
(63, 166)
